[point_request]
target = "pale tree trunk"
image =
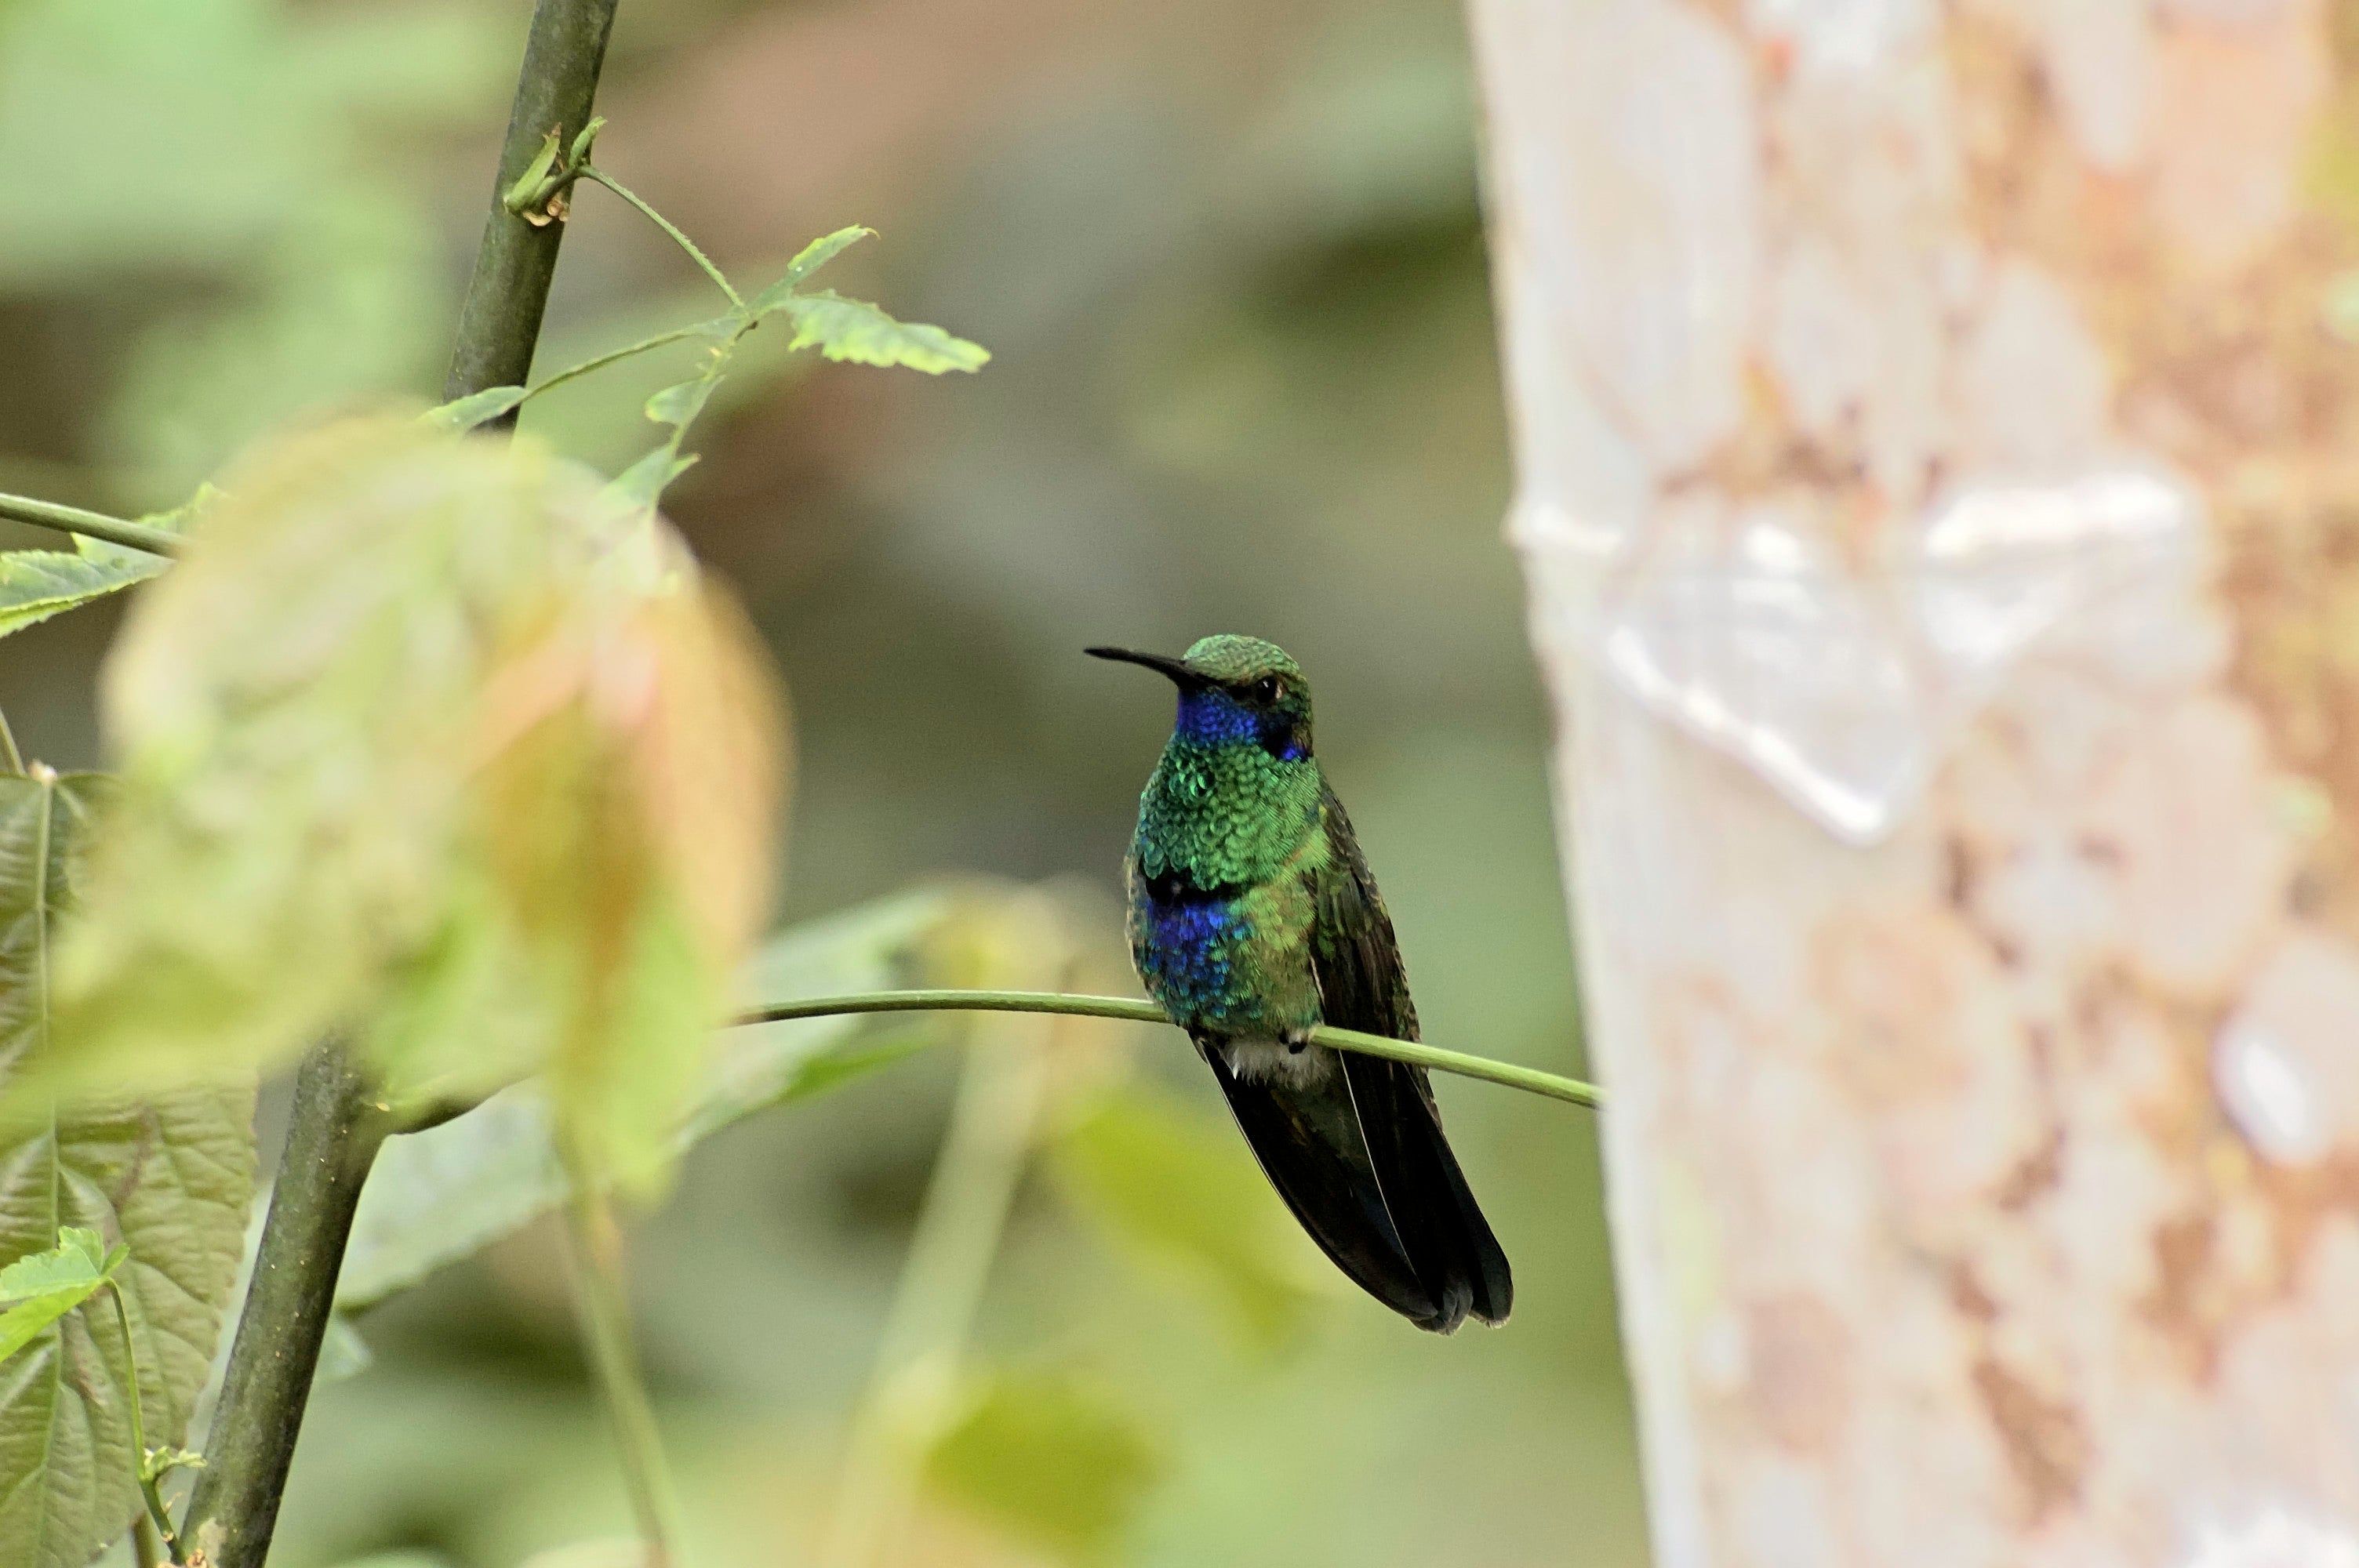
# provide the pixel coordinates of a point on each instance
(1939, 439)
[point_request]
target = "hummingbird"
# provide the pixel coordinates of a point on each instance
(1253, 918)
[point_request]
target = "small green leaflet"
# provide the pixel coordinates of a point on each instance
(475, 409)
(80, 1260)
(680, 405)
(808, 260)
(51, 1284)
(852, 330)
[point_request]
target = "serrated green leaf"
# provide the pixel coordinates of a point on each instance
(1120, 1158)
(681, 403)
(1049, 1460)
(38, 584)
(850, 329)
(495, 792)
(475, 409)
(442, 1195)
(808, 260)
(169, 1176)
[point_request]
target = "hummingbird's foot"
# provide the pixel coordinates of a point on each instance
(1296, 1039)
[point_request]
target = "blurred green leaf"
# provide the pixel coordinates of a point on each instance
(494, 790)
(411, 63)
(342, 303)
(344, 1353)
(302, 267)
(850, 329)
(440, 1194)
(1050, 1462)
(616, 1553)
(808, 260)
(170, 1177)
(1177, 1191)
(466, 413)
(402, 1559)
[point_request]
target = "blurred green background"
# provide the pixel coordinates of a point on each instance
(1228, 257)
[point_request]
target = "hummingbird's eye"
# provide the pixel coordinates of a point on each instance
(1269, 689)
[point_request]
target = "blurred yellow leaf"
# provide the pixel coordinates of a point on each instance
(426, 741)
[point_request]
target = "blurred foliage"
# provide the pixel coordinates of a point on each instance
(168, 1179)
(1062, 1465)
(443, 1194)
(496, 790)
(255, 142)
(1126, 1156)
(1228, 258)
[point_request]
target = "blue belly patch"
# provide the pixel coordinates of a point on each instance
(1191, 954)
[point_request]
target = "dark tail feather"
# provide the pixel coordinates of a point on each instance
(1309, 1144)
(1360, 1158)
(1439, 1225)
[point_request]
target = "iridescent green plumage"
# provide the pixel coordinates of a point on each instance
(1253, 919)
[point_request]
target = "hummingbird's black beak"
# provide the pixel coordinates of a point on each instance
(1176, 669)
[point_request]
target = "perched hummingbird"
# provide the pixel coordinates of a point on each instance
(1253, 919)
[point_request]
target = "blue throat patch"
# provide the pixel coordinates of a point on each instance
(1212, 717)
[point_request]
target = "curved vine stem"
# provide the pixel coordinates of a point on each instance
(149, 1490)
(96, 525)
(594, 1249)
(1531, 1080)
(599, 175)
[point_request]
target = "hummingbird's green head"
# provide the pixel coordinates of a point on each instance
(1234, 691)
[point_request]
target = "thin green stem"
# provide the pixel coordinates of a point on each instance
(595, 1249)
(591, 172)
(1529, 1079)
(96, 525)
(948, 1263)
(12, 758)
(148, 1486)
(574, 373)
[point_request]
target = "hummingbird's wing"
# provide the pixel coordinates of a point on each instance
(1363, 986)
(1307, 1137)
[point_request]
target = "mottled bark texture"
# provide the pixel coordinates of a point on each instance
(1939, 439)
